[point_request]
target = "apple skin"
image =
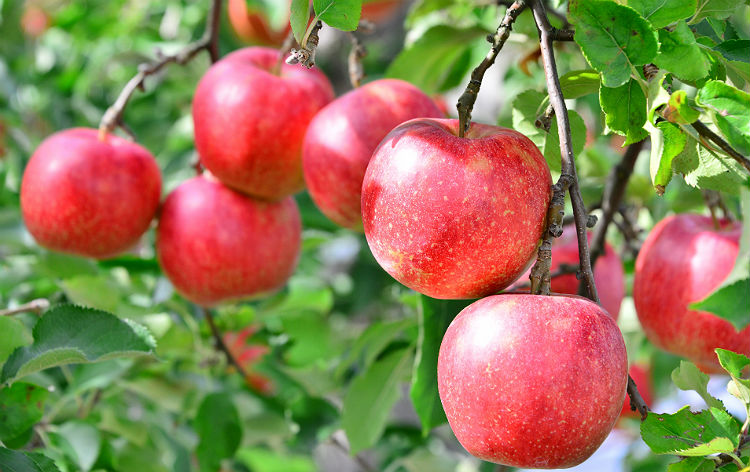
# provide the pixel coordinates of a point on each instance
(247, 355)
(253, 26)
(250, 123)
(532, 381)
(87, 197)
(609, 275)
(216, 244)
(683, 259)
(342, 137)
(455, 217)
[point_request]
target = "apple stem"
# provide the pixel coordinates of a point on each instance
(287, 46)
(208, 42)
(466, 101)
(35, 306)
(714, 202)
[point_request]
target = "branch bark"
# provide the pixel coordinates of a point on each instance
(568, 177)
(208, 42)
(220, 344)
(709, 135)
(35, 306)
(466, 101)
(613, 193)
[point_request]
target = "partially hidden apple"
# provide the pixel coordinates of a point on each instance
(454, 217)
(342, 137)
(609, 275)
(683, 259)
(641, 375)
(254, 26)
(89, 197)
(532, 381)
(216, 244)
(247, 355)
(250, 121)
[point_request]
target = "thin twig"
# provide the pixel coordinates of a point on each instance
(356, 54)
(305, 55)
(709, 135)
(568, 177)
(613, 194)
(562, 34)
(286, 47)
(208, 42)
(469, 97)
(220, 344)
(637, 403)
(35, 306)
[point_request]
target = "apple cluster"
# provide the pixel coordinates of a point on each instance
(525, 380)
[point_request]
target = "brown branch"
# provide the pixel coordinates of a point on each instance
(568, 172)
(637, 403)
(613, 194)
(305, 55)
(354, 61)
(220, 344)
(361, 462)
(709, 135)
(540, 274)
(208, 42)
(466, 101)
(35, 306)
(562, 34)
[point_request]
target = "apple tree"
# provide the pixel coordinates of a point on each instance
(375, 235)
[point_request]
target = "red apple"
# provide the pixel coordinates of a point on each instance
(250, 122)
(455, 217)
(252, 24)
(609, 275)
(216, 244)
(532, 381)
(683, 259)
(342, 137)
(380, 10)
(89, 197)
(642, 377)
(247, 355)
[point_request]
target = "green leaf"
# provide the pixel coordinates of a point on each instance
(551, 147)
(298, 18)
(578, 83)
(422, 8)
(692, 464)
(527, 107)
(625, 110)
(729, 300)
(657, 97)
(85, 442)
(667, 141)
(95, 291)
(71, 334)
(218, 426)
(678, 110)
(17, 461)
(436, 58)
(735, 364)
(614, 39)
(21, 407)
(13, 334)
(735, 50)
(434, 317)
(680, 54)
(262, 460)
(661, 13)
(714, 9)
(688, 377)
(340, 14)
(373, 340)
(691, 434)
(705, 170)
(730, 112)
(368, 403)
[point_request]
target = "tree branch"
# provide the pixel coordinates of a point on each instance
(568, 176)
(709, 135)
(35, 306)
(466, 101)
(561, 34)
(208, 42)
(220, 344)
(613, 193)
